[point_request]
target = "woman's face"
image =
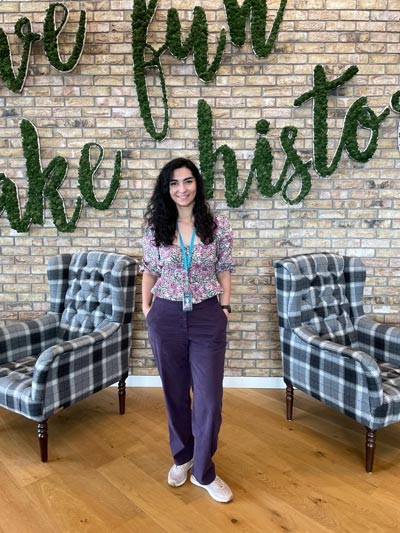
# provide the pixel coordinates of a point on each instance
(182, 187)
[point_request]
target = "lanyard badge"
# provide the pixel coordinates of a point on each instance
(187, 303)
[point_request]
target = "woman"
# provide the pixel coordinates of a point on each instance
(187, 264)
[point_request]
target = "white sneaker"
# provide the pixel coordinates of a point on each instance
(218, 489)
(178, 474)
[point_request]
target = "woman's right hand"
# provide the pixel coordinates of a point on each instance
(148, 282)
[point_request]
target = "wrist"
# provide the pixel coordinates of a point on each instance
(145, 308)
(226, 307)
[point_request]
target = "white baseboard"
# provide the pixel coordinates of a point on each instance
(230, 382)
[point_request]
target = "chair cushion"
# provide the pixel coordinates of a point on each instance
(390, 376)
(16, 386)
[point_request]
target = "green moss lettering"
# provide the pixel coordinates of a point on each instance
(87, 173)
(261, 167)
(23, 30)
(15, 82)
(358, 115)
(196, 42)
(45, 184)
(256, 10)
(51, 33)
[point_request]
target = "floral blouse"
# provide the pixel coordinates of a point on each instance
(208, 260)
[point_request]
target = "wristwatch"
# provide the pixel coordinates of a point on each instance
(227, 307)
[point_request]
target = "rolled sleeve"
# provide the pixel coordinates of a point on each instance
(151, 256)
(224, 240)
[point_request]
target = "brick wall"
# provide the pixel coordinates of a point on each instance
(353, 211)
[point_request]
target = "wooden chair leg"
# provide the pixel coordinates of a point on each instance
(370, 449)
(289, 401)
(43, 440)
(121, 396)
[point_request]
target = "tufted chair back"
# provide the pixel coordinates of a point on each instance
(316, 291)
(90, 289)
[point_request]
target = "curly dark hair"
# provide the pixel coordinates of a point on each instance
(161, 213)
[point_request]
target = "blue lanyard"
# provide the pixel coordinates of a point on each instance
(187, 257)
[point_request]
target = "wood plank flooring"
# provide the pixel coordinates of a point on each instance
(107, 473)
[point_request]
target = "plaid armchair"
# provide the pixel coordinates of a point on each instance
(81, 346)
(330, 349)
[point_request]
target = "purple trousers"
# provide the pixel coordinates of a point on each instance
(189, 350)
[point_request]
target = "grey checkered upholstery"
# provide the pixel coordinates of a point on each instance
(330, 349)
(80, 346)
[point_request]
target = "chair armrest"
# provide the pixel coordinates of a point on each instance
(31, 337)
(340, 355)
(66, 353)
(381, 341)
(368, 363)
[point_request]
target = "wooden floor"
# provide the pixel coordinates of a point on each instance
(107, 472)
